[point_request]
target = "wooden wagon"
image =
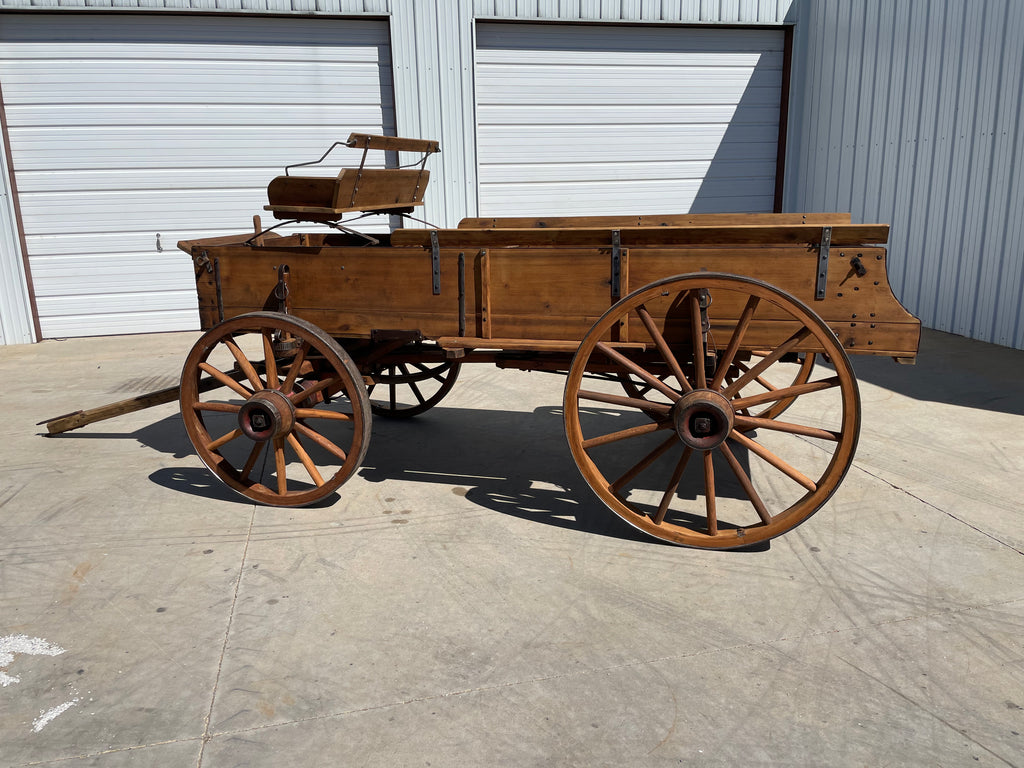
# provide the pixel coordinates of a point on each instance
(709, 399)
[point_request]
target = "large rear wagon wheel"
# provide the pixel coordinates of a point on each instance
(275, 408)
(686, 461)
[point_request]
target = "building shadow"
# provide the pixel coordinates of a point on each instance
(954, 370)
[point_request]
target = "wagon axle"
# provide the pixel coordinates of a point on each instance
(703, 419)
(267, 414)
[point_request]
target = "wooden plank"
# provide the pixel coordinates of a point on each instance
(656, 220)
(78, 419)
(851, 235)
(525, 345)
(188, 245)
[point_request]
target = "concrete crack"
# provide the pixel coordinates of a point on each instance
(945, 512)
(224, 647)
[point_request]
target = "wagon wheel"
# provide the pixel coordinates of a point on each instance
(291, 420)
(788, 374)
(687, 465)
(410, 388)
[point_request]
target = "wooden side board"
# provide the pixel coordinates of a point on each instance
(540, 294)
(656, 220)
(793, 234)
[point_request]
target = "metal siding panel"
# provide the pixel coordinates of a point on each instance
(16, 326)
(1008, 320)
(982, 250)
(547, 9)
(628, 10)
(922, 103)
(433, 65)
(130, 152)
(626, 119)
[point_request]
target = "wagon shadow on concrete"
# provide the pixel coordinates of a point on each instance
(513, 462)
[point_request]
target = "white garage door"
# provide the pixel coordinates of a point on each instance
(576, 120)
(123, 128)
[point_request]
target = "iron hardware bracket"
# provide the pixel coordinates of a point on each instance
(616, 263)
(435, 262)
(823, 249)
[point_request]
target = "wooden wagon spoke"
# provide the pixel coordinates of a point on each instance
(673, 485)
(320, 440)
(663, 348)
(437, 373)
(780, 464)
(216, 407)
(626, 402)
(250, 463)
(302, 394)
(412, 384)
(734, 342)
(744, 480)
(652, 381)
(223, 440)
(307, 462)
(243, 363)
(320, 413)
(280, 465)
(754, 422)
(710, 504)
(645, 462)
(759, 379)
(780, 393)
(226, 380)
(697, 340)
(625, 434)
(269, 361)
(767, 362)
(293, 368)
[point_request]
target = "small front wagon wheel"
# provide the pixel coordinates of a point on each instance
(275, 408)
(407, 388)
(701, 455)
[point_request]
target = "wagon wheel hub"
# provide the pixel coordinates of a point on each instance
(266, 415)
(703, 419)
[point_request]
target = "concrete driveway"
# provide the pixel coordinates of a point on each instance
(466, 601)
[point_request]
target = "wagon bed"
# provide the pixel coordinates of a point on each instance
(709, 398)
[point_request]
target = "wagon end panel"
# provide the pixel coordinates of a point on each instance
(857, 301)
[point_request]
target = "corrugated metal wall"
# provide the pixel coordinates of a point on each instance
(911, 113)
(16, 325)
(675, 11)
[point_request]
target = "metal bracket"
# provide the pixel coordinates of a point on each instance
(220, 293)
(823, 249)
(281, 290)
(616, 263)
(435, 262)
(203, 261)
